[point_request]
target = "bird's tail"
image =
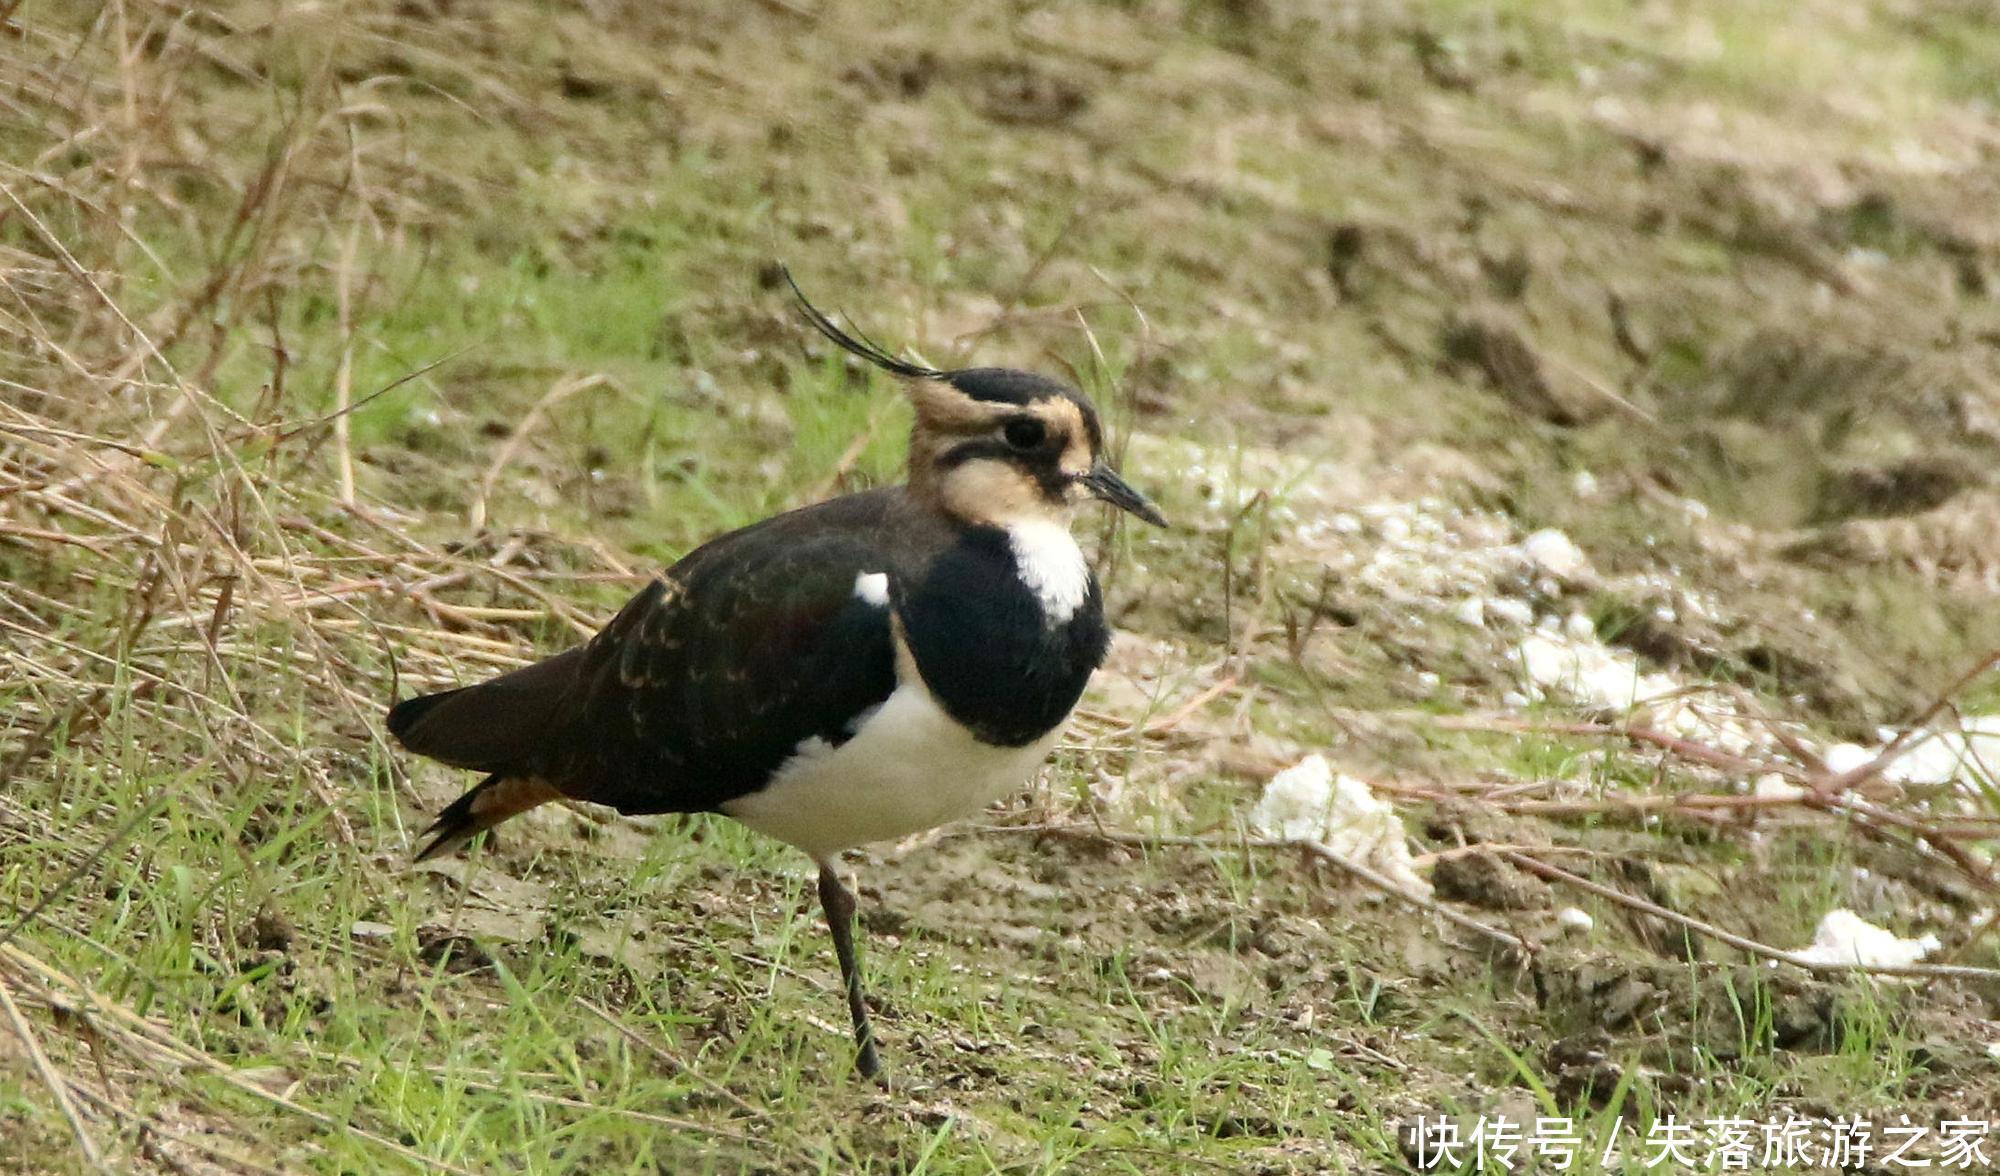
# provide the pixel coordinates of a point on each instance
(490, 802)
(506, 728)
(496, 726)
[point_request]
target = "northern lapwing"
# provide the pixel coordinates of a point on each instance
(849, 672)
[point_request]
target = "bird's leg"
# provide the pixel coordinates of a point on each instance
(838, 902)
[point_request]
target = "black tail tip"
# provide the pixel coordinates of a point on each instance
(405, 715)
(454, 826)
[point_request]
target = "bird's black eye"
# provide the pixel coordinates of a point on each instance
(1025, 433)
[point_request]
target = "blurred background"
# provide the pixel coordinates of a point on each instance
(1580, 420)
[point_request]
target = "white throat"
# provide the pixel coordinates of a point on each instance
(1052, 566)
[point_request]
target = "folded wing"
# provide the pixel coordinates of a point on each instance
(703, 684)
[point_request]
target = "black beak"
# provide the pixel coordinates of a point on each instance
(1104, 482)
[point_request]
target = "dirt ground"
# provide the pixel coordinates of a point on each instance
(1580, 426)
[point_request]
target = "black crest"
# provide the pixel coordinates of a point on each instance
(991, 384)
(860, 347)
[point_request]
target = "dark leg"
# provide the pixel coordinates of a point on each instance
(839, 904)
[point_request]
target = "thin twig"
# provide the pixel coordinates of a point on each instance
(1742, 943)
(1388, 886)
(1904, 739)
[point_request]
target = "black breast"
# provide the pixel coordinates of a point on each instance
(987, 650)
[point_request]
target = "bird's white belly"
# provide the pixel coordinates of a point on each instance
(908, 767)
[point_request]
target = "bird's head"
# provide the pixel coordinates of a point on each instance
(998, 446)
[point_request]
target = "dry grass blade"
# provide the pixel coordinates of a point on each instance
(343, 379)
(58, 1086)
(181, 572)
(676, 1061)
(61, 887)
(558, 392)
(151, 1041)
(647, 1117)
(1180, 713)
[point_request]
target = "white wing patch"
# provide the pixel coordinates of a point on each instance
(1052, 566)
(872, 588)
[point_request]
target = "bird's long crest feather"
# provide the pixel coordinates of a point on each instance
(853, 346)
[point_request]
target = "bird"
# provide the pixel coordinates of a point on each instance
(853, 671)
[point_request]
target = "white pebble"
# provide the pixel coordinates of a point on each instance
(1579, 628)
(1776, 787)
(1514, 612)
(1552, 551)
(1472, 611)
(1575, 920)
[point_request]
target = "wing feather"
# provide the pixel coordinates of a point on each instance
(710, 678)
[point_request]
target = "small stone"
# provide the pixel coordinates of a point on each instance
(1775, 787)
(1553, 552)
(1842, 758)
